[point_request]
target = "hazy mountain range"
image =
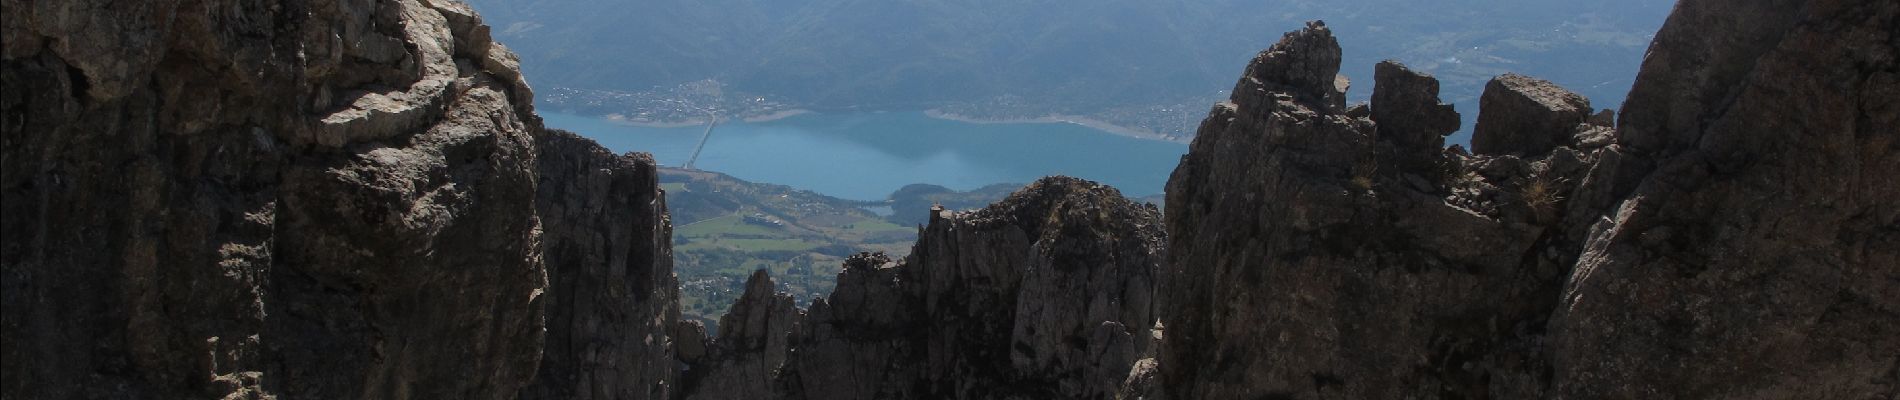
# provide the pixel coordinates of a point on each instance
(1056, 56)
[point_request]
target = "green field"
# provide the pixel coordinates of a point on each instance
(874, 225)
(723, 226)
(715, 250)
(747, 244)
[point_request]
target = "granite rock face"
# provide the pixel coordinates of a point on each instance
(327, 199)
(1732, 235)
(1047, 294)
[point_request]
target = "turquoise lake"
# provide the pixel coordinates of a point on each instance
(868, 155)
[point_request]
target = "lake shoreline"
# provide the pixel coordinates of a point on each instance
(776, 115)
(618, 119)
(1087, 122)
(882, 152)
(1077, 120)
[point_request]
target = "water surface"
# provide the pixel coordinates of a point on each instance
(866, 156)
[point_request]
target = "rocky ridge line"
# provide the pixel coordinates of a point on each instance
(247, 201)
(1046, 294)
(1726, 240)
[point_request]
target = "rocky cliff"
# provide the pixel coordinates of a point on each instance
(1046, 294)
(326, 199)
(1734, 237)
(1753, 250)
(612, 300)
(354, 199)
(1322, 251)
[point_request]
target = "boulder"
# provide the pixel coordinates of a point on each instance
(1526, 116)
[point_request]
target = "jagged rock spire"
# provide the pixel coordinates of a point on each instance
(1046, 294)
(1405, 104)
(1303, 64)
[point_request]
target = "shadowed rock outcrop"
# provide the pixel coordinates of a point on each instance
(743, 362)
(328, 199)
(1047, 294)
(313, 200)
(1755, 248)
(1732, 237)
(1311, 256)
(612, 300)
(1405, 104)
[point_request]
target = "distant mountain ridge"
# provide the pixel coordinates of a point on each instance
(1041, 57)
